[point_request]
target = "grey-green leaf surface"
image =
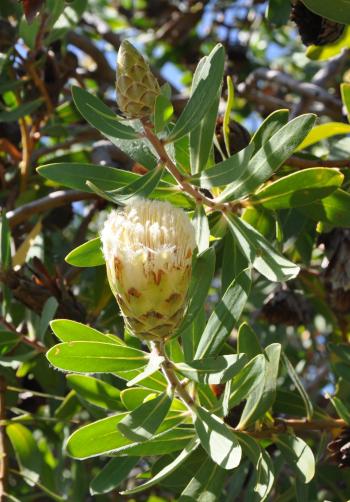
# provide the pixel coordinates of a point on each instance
(272, 124)
(88, 254)
(298, 455)
(205, 93)
(225, 316)
(263, 396)
(167, 470)
(247, 341)
(142, 423)
(251, 377)
(49, 311)
(96, 392)
(100, 115)
(299, 386)
(300, 188)
(201, 225)
(334, 209)
(218, 441)
(213, 370)
(265, 259)
(112, 474)
(72, 331)
(269, 158)
(206, 485)
(95, 357)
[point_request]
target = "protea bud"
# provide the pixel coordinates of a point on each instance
(137, 87)
(148, 249)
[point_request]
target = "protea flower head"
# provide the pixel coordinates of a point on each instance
(148, 248)
(137, 87)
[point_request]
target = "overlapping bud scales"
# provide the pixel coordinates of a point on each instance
(148, 249)
(137, 87)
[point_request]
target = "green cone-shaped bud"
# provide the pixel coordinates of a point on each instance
(137, 87)
(148, 249)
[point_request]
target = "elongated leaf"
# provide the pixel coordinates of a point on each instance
(298, 455)
(152, 366)
(163, 111)
(213, 370)
(201, 139)
(227, 114)
(156, 381)
(278, 12)
(341, 408)
(334, 209)
(324, 131)
(271, 125)
(338, 10)
(206, 485)
(48, 313)
(202, 275)
(263, 397)
(252, 377)
(5, 243)
(328, 51)
(73, 331)
(88, 254)
(247, 342)
(299, 386)
(96, 391)
(142, 423)
(260, 253)
(8, 341)
(205, 93)
(112, 474)
(83, 444)
(27, 453)
(95, 357)
(225, 316)
(224, 172)
(141, 187)
(100, 115)
(270, 157)
(264, 475)
(191, 335)
(233, 262)
(345, 95)
(201, 225)
(166, 471)
(20, 111)
(218, 441)
(300, 188)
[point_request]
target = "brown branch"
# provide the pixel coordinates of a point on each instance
(55, 199)
(39, 347)
(299, 426)
(306, 163)
(3, 453)
(26, 156)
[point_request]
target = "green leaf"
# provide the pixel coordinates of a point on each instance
(95, 357)
(88, 254)
(112, 474)
(271, 125)
(264, 258)
(328, 51)
(15, 114)
(27, 453)
(166, 471)
(251, 377)
(152, 366)
(155, 381)
(227, 114)
(133, 398)
(68, 407)
(341, 408)
(192, 334)
(142, 423)
(8, 341)
(300, 188)
(96, 391)
(141, 187)
(49, 311)
(163, 112)
(213, 370)
(298, 455)
(263, 396)
(263, 475)
(73, 331)
(225, 316)
(270, 157)
(247, 341)
(278, 12)
(218, 441)
(100, 115)
(206, 485)
(224, 172)
(5, 243)
(324, 131)
(75, 175)
(83, 444)
(334, 209)
(201, 139)
(201, 225)
(299, 386)
(205, 93)
(345, 95)
(202, 275)
(338, 10)
(233, 262)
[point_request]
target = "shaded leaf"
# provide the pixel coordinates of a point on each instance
(88, 254)
(298, 455)
(213, 370)
(96, 391)
(112, 474)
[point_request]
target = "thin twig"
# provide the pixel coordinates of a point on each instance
(295, 161)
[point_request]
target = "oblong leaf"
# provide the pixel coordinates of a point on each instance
(298, 455)
(72, 331)
(96, 391)
(112, 474)
(88, 254)
(337, 10)
(269, 127)
(213, 370)
(26, 450)
(95, 357)
(334, 209)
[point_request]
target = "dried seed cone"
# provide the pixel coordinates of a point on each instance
(137, 87)
(148, 249)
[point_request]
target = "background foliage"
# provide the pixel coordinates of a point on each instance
(304, 216)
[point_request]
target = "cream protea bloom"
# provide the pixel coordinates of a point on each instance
(148, 248)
